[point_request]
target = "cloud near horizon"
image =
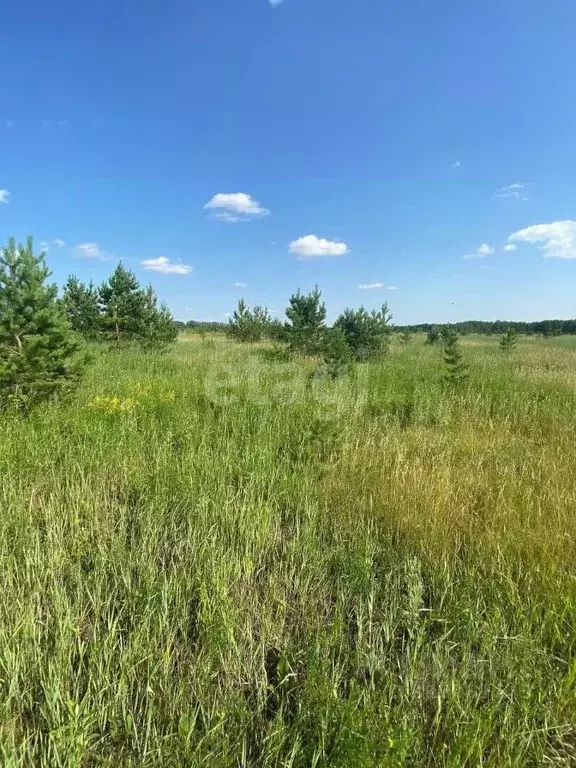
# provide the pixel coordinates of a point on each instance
(556, 240)
(166, 267)
(313, 247)
(370, 286)
(4, 196)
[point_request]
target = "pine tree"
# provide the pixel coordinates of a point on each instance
(457, 371)
(508, 341)
(247, 325)
(40, 355)
(81, 307)
(123, 307)
(158, 327)
(366, 333)
(433, 335)
(307, 316)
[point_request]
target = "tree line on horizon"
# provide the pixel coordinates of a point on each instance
(545, 328)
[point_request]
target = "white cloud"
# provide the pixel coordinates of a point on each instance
(392, 288)
(557, 240)
(513, 191)
(485, 250)
(240, 285)
(227, 314)
(370, 286)
(57, 243)
(235, 206)
(457, 164)
(4, 195)
(312, 247)
(92, 251)
(480, 253)
(275, 3)
(510, 247)
(165, 266)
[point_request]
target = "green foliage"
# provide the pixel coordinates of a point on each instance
(433, 335)
(39, 352)
(122, 304)
(130, 314)
(367, 333)
(275, 330)
(456, 369)
(306, 314)
(81, 304)
(249, 325)
(158, 327)
(337, 353)
(508, 341)
(406, 337)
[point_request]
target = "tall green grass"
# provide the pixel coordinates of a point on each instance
(248, 566)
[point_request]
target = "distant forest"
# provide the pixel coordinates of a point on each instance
(497, 327)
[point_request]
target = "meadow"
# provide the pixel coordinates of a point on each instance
(212, 558)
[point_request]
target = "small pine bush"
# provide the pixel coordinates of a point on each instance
(456, 369)
(508, 341)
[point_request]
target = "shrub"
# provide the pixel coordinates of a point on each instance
(508, 341)
(247, 324)
(366, 333)
(456, 369)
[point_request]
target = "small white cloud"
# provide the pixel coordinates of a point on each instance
(510, 247)
(480, 253)
(62, 122)
(312, 247)
(57, 243)
(4, 196)
(557, 240)
(513, 191)
(275, 3)
(165, 266)
(240, 285)
(370, 286)
(226, 314)
(392, 288)
(485, 250)
(91, 251)
(457, 164)
(235, 206)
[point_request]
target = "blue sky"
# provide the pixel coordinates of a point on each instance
(347, 143)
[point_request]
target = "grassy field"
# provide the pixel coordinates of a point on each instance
(211, 559)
